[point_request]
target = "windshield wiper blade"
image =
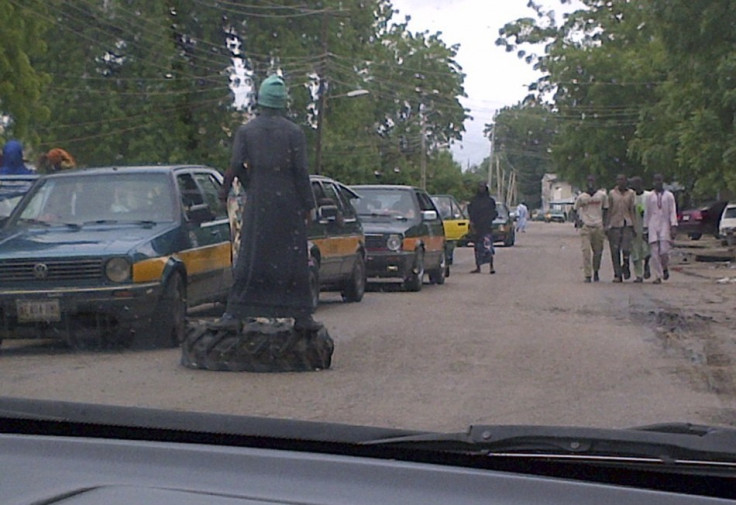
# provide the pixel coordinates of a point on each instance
(101, 221)
(677, 443)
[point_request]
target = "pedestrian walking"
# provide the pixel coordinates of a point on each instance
(522, 214)
(482, 211)
(13, 159)
(660, 221)
(591, 207)
(269, 158)
(639, 245)
(620, 227)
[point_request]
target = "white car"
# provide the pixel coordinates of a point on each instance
(727, 227)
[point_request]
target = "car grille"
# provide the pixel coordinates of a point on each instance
(52, 270)
(374, 242)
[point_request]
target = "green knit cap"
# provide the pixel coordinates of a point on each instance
(272, 93)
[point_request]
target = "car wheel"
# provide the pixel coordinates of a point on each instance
(696, 236)
(172, 309)
(510, 239)
(355, 287)
(413, 281)
(314, 286)
(437, 276)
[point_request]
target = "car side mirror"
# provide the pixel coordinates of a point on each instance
(327, 213)
(429, 215)
(199, 213)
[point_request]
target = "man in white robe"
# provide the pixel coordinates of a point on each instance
(660, 221)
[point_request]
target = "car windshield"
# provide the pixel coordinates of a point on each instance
(306, 159)
(110, 197)
(392, 203)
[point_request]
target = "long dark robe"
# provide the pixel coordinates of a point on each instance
(482, 211)
(271, 277)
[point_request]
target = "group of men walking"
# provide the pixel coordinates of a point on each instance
(639, 225)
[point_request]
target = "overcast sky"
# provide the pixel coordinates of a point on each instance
(494, 78)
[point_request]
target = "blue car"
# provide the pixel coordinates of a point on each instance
(114, 255)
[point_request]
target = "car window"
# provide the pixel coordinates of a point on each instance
(345, 203)
(396, 203)
(730, 212)
(110, 197)
(189, 191)
(425, 202)
(210, 186)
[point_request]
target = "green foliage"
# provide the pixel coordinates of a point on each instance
(21, 42)
(638, 87)
(154, 81)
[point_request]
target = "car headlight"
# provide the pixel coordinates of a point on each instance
(118, 270)
(393, 242)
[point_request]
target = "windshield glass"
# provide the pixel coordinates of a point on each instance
(592, 299)
(89, 198)
(395, 203)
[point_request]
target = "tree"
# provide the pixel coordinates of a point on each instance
(523, 138)
(21, 42)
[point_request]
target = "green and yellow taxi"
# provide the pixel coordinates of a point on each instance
(404, 234)
(454, 219)
(116, 255)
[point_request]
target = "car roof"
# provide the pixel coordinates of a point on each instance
(386, 186)
(126, 169)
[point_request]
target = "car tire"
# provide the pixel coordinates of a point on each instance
(437, 276)
(314, 286)
(695, 236)
(172, 311)
(355, 286)
(510, 240)
(415, 277)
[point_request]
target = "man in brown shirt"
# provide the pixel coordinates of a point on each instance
(620, 227)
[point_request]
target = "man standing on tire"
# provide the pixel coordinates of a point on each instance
(271, 277)
(591, 207)
(482, 211)
(660, 221)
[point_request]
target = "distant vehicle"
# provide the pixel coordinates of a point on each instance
(555, 216)
(702, 220)
(504, 229)
(727, 225)
(404, 235)
(455, 221)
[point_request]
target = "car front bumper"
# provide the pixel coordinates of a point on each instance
(389, 264)
(70, 312)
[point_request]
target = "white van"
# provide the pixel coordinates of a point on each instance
(727, 227)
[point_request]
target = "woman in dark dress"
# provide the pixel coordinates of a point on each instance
(482, 211)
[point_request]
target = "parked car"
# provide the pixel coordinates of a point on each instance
(555, 216)
(12, 188)
(454, 219)
(504, 228)
(336, 242)
(727, 225)
(105, 254)
(404, 235)
(702, 220)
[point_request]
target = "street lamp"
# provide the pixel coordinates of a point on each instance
(321, 107)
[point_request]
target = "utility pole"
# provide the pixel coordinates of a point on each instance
(490, 159)
(322, 101)
(423, 159)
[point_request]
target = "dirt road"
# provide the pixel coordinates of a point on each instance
(532, 344)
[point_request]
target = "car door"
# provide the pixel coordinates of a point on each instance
(208, 256)
(434, 242)
(350, 239)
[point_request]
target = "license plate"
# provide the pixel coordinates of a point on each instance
(30, 311)
(686, 218)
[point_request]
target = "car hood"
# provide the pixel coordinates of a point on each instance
(61, 241)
